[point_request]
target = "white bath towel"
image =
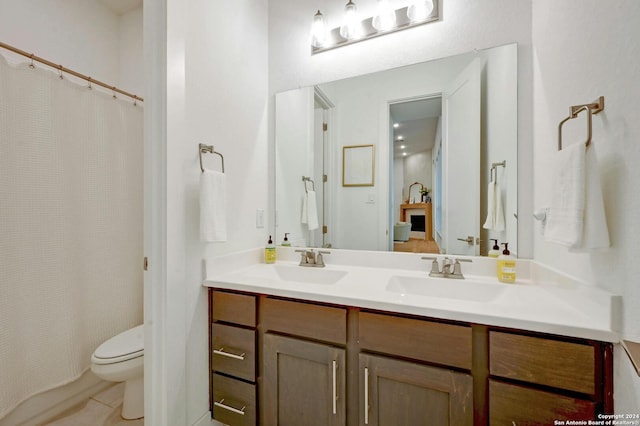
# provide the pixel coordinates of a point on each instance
(576, 215)
(213, 197)
(309, 215)
(495, 213)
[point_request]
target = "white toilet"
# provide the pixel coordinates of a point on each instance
(121, 359)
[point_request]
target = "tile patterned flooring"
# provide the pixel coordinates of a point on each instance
(102, 409)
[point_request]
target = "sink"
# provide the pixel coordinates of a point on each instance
(445, 288)
(309, 275)
(294, 273)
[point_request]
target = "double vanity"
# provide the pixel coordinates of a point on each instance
(371, 339)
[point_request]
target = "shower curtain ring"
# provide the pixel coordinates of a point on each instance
(114, 92)
(89, 85)
(31, 65)
(60, 67)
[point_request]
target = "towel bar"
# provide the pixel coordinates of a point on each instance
(306, 179)
(592, 108)
(494, 166)
(203, 149)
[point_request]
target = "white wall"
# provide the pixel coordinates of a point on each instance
(465, 26)
(574, 66)
(417, 168)
(212, 88)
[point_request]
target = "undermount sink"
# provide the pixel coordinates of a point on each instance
(445, 288)
(294, 273)
(308, 275)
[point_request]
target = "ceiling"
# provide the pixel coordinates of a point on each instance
(417, 125)
(120, 7)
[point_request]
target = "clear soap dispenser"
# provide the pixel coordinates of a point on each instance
(286, 242)
(495, 250)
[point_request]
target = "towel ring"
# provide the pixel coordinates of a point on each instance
(306, 179)
(203, 149)
(592, 108)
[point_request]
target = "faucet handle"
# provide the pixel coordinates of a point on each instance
(457, 268)
(303, 256)
(435, 268)
(320, 259)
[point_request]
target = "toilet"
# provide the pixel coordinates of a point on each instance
(121, 359)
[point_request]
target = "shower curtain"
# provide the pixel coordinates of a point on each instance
(71, 219)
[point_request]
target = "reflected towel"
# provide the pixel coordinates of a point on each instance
(576, 214)
(495, 214)
(309, 215)
(213, 195)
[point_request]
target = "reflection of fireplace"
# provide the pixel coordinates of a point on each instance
(417, 223)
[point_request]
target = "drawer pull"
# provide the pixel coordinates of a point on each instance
(366, 396)
(222, 352)
(335, 391)
(229, 408)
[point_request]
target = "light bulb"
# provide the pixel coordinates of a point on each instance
(385, 17)
(318, 30)
(420, 10)
(350, 28)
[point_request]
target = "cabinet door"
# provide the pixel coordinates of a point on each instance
(394, 392)
(304, 383)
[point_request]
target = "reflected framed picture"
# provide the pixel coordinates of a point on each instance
(358, 165)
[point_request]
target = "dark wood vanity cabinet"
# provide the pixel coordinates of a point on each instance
(233, 356)
(319, 364)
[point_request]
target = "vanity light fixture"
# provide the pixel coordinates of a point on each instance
(318, 30)
(385, 17)
(385, 21)
(350, 28)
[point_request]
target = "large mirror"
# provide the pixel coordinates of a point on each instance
(432, 148)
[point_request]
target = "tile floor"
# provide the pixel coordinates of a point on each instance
(102, 409)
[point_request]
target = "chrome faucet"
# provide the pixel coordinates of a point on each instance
(451, 268)
(312, 258)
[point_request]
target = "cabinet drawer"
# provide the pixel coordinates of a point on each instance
(317, 322)
(517, 405)
(234, 351)
(233, 308)
(543, 361)
(429, 341)
(234, 402)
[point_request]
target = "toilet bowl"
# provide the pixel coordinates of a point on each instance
(121, 359)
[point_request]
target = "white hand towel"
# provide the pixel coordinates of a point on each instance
(576, 216)
(495, 214)
(213, 204)
(310, 210)
(566, 212)
(595, 235)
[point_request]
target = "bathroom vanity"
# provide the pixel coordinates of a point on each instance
(297, 347)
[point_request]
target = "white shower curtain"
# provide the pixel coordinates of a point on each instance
(71, 219)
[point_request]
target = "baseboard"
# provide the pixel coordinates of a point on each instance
(47, 405)
(206, 420)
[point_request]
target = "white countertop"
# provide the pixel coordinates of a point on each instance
(548, 303)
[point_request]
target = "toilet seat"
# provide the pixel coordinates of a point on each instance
(123, 347)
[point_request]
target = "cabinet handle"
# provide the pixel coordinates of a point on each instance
(366, 396)
(228, 407)
(222, 352)
(335, 390)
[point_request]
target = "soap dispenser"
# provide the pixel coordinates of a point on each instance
(270, 252)
(506, 266)
(286, 242)
(495, 250)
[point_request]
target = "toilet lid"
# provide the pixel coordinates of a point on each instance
(126, 345)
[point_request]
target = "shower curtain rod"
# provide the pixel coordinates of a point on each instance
(68, 71)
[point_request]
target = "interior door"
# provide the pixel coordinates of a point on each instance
(461, 161)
